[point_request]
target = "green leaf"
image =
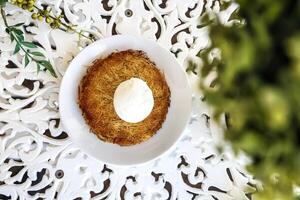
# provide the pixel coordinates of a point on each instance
(20, 38)
(29, 45)
(36, 53)
(19, 24)
(17, 49)
(17, 31)
(26, 60)
(48, 67)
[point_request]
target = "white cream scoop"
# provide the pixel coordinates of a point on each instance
(133, 100)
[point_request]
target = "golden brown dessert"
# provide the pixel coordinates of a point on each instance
(96, 94)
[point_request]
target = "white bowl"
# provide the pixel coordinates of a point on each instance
(176, 120)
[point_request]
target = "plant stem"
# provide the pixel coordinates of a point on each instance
(68, 27)
(26, 52)
(3, 17)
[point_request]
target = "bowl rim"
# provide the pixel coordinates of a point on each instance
(127, 37)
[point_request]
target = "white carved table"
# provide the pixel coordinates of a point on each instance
(38, 161)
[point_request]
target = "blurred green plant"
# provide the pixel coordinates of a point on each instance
(258, 89)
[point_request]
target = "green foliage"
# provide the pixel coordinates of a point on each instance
(258, 87)
(44, 13)
(17, 36)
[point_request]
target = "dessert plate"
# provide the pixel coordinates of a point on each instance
(176, 120)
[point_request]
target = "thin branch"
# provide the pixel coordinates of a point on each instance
(3, 17)
(68, 27)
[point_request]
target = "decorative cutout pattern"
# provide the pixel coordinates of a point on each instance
(38, 161)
